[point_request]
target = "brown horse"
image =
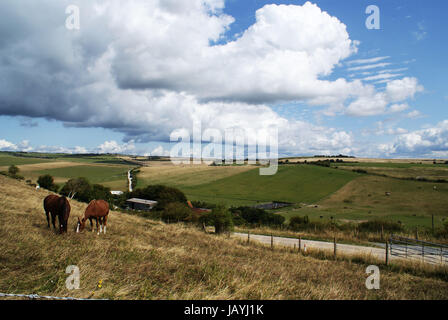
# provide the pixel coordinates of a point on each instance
(98, 210)
(60, 207)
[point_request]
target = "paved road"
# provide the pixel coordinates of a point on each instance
(321, 245)
(378, 252)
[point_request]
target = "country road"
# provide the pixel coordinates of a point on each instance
(378, 252)
(321, 245)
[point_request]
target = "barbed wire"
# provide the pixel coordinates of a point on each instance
(36, 296)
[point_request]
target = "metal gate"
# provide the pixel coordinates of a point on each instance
(417, 249)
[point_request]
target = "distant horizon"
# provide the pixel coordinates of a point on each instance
(332, 77)
(168, 157)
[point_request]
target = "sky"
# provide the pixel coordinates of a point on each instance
(136, 71)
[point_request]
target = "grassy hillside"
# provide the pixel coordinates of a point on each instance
(103, 169)
(143, 259)
(302, 183)
(164, 172)
(7, 160)
(94, 173)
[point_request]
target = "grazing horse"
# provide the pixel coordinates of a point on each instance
(60, 207)
(98, 210)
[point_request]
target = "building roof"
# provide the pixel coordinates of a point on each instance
(142, 201)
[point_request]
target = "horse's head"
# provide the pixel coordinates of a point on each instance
(80, 225)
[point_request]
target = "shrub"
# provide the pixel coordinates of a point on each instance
(221, 218)
(203, 204)
(101, 192)
(297, 221)
(13, 170)
(13, 173)
(47, 182)
(377, 225)
(238, 220)
(162, 194)
(176, 212)
(257, 216)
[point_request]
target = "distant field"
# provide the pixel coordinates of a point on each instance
(401, 165)
(291, 184)
(411, 202)
(405, 170)
(7, 160)
(94, 173)
(166, 173)
(339, 193)
(101, 169)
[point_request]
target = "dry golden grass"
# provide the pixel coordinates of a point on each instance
(46, 165)
(144, 259)
(166, 172)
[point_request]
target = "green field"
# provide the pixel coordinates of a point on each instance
(10, 158)
(102, 169)
(411, 202)
(290, 184)
(7, 160)
(95, 174)
(317, 191)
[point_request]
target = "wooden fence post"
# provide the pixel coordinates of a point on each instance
(272, 241)
(334, 241)
(432, 218)
(300, 244)
(423, 252)
(387, 252)
(248, 237)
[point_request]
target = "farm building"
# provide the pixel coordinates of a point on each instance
(141, 204)
(198, 210)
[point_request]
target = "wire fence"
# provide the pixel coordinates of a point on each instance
(417, 249)
(36, 297)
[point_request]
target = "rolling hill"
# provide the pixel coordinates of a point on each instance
(145, 259)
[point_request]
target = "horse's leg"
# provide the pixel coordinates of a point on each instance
(101, 224)
(53, 219)
(48, 218)
(64, 225)
(97, 231)
(105, 223)
(91, 223)
(61, 227)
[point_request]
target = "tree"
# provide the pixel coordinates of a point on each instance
(47, 182)
(221, 218)
(256, 216)
(162, 194)
(176, 212)
(78, 188)
(13, 170)
(297, 222)
(101, 192)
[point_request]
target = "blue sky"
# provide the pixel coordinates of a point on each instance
(410, 44)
